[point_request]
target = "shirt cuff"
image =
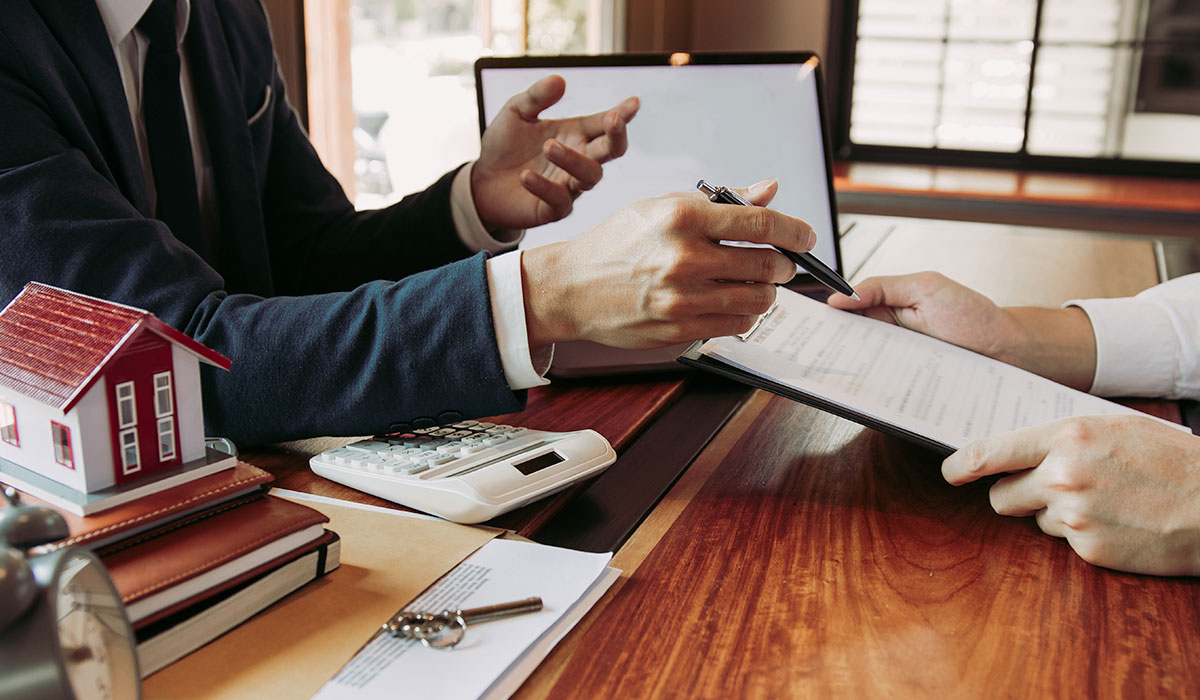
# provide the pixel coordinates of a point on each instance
(466, 219)
(1136, 347)
(522, 369)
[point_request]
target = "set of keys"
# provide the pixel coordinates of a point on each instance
(444, 630)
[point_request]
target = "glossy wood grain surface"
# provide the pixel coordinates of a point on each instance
(816, 558)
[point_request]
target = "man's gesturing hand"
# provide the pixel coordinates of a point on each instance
(530, 170)
(1123, 490)
(656, 273)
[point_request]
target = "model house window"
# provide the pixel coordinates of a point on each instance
(1034, 79)
(8, 424)
(166, 438)
(409, 114)
(163, 406)
(129, 451)
(60, 435)
(126, 408)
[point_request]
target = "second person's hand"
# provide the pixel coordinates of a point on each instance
(656, 273)
(1055, 343)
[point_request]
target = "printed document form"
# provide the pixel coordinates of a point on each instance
(494, 658)
(897, 376)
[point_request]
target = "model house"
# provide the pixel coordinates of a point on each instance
(95, 395)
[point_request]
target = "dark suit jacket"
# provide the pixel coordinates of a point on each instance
(292, 288)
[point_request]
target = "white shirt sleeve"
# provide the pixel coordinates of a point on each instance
(1148, 345)
(522, 369)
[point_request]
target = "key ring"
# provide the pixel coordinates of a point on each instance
(450, 631)
(444, 630)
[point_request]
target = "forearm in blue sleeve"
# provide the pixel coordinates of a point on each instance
(330, 364)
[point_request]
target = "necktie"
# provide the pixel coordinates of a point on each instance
(170, 146)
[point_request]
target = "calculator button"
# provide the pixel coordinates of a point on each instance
(465, 424)
(516, 429)
(368, 445)
(340, 455)
(495, 440)
(471, 449)
(425, 431)
(450, 447)
(460, 434)
(414, 469)
(485, 425)
(442, 432)
(435, 460)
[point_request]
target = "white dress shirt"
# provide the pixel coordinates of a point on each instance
(1149, 344)
(504, 271)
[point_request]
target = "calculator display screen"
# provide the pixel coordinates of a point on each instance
(536, 464)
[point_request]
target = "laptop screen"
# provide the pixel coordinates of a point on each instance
(732, 120)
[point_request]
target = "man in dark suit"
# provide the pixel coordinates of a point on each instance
(180, 181)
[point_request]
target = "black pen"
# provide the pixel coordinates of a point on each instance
(824, 274)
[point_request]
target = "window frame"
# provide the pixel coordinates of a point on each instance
(9, 411)
(169, 421)
(122, 446)
(170, 392)
(121, 424)
(57, 429)
(843, 38)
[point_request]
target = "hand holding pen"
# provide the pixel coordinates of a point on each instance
(824, 274)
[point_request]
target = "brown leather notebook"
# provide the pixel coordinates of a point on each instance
(101, 529)
(168, 636)
(158, 571)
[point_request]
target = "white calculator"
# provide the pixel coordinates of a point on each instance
(467, 472)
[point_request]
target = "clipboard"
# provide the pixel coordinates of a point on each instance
(888, 378)
(694, 358)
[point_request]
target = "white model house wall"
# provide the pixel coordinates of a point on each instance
(92, 440)
(36, 449)
(189, 408)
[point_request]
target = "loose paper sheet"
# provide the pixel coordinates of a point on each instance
(291, 649)
(898, 376)
(501, 571)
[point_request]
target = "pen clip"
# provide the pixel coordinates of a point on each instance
(759, 322)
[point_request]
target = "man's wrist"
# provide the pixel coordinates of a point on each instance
(1055, 343)
(472, 230)
(547, 310)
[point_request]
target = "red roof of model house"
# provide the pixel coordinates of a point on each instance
(54, 344)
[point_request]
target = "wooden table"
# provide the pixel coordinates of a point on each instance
(801, 555)
(806, 556)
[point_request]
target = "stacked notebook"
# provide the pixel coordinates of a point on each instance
(194, 561)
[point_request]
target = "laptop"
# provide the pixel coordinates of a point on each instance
(731, 119)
